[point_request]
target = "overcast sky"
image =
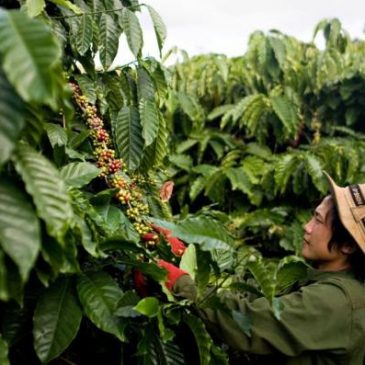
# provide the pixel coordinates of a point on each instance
(223, 26)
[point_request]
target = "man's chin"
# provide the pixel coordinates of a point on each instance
(305, 254)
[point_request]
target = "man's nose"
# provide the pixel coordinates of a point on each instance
(308, 227)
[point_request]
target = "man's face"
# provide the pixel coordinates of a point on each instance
(317, 235)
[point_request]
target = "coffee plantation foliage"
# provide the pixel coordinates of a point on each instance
(252, 134)
(88, 154)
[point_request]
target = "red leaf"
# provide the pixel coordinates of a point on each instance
(150, 237)
(166, 232)
(177, 247)
(166, 191)
(140, 283)
(173, 273)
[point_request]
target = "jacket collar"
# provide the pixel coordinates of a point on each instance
(317, 275)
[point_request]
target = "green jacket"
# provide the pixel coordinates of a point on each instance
(322, 323)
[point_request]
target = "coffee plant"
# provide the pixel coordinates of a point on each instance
(84, 194)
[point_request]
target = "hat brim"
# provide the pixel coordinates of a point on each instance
(345, 205)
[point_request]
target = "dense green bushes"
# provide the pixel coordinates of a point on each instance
(85, 154)
(254, 133)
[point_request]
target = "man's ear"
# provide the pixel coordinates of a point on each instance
(347, 249)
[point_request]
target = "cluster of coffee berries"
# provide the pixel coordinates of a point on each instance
(101, 136)
(141, 180)
(106, 161)
(114, 170)
(142, 228)
(118, 181)
(137, 211)
(124, 196)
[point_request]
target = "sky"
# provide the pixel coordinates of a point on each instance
(224, 26)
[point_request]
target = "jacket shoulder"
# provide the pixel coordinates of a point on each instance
(353, 289)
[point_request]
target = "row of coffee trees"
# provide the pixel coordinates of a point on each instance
(253, 134)
(87, 159)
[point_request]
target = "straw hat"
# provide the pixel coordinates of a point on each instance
(350, 203)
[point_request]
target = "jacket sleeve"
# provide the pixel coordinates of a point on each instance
(316, 317)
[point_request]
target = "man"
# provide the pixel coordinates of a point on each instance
(322, 322)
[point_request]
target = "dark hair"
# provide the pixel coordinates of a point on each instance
(341, 237)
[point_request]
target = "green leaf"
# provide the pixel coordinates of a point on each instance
(84, 36)
(145, 85)
(165, 333)
(99, 295)
(223, 258)
(205, 232)
(133, 31)
(188, 261)
(152, 270)
(78, 174)
(87, 87)
(315, 170)
(158, 208)
(4, 295)
(34, 7)
(159, 26)
(53, 254)
(155, 154)
(128, 133)
(239, 180)
(127, 311)
(183, 162)
(11, 116)
(126, 305)
(56, 134)
(148, 306)
(286, 111)
(56, 321)
(185, 145)
(87, 240)
(290, 270)
(265, 275)
(125, 238)
(76, 139)
(30, 55)
(284, 168)
(113, 217)
(190, 107)
(219, 356)
(108, 40)
(4, 350)
(34, 127)
(19, 228)
(153, 351)
(219, 111)
(202, 338)
(150, 120)
(68, 5)
(44, 183)
(129, 298)
(197, 187)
